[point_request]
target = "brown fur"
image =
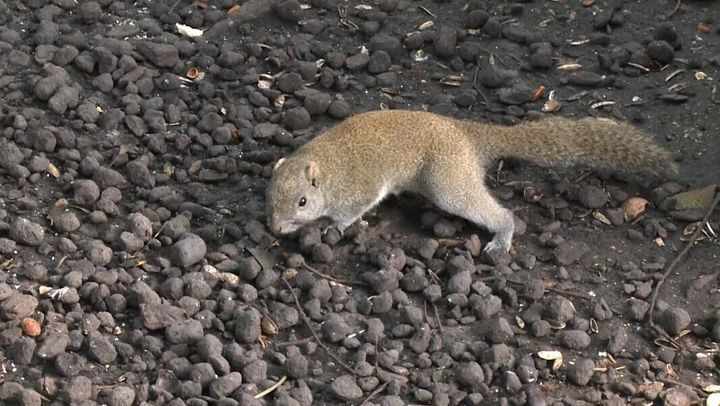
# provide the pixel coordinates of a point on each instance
(350, 168)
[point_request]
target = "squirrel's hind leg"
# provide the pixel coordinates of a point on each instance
(472, 201)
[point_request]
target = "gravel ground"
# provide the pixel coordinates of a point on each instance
(136, 267)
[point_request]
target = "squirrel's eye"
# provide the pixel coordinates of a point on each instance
(302, 202)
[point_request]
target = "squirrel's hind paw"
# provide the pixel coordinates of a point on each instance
(497, 252)
(496, 246)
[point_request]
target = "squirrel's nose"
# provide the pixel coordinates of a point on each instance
(275, 226)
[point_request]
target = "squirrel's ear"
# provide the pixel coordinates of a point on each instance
(312, 171)
(277, 164)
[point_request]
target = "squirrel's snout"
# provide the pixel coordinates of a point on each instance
(276, 226)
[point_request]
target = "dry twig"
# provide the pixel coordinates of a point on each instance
(328, 277)
(676, 9)
(312, 331)
(271, 388)
(678, 258)
(374, 393)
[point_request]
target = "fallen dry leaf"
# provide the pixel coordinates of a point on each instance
(634, 207)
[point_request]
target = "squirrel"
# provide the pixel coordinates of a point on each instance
(350, 168)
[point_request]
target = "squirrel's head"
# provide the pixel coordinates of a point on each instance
(294, 197)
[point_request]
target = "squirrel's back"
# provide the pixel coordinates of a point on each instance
(407, 137)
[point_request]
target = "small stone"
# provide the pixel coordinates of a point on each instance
(22, 350)
(78, 389)
(379, 62)
(297, 364)
(581, 371)
(500, 331)
(98, 253)
(322, 253)
(65, 222)
(518, 94)
(586, 79)
(470, 375)
(101, 349)
(486, 307)
(140, 292)
(26, 232)
(443, 228)
(465, 98)
(296, 118)
(184, 332)
(661, 51)
(90, 12)
(618, 340)
(288, 10)
(317, 103)
(106, 177)
(140, 226)
(161, 55)
(120, 396)
(575, 339)
(339, 109)
(385, 42)
(247, 326)
(86, 192)
(225, 385)
(592, 197)
(445, 42)
(160, 315)
(679, 396)
(569, 252)
(560, 309)
(53, 345)
(357, 62)
(290, 82)
(540, 328)
(637, 308)
(18, 306)
(476, 19)
(674, 320)
(188, 251)
(427, 248)
(541, 55)
(335, 328)
(345, 387)
(176, 226)
(65, 98)
(139, 174)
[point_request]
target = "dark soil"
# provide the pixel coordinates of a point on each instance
(136, 267)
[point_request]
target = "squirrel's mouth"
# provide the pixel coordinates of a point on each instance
(284, 227)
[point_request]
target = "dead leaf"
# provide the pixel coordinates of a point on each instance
(634, 207)
(538, 93)
(234, 10)
(188, 31)
(53, 170)
(599, 216)
(426, 25)
(551, 106)
(704, 28)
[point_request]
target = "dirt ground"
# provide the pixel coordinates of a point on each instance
(136, 267)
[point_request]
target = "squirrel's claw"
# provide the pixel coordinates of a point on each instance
(496, 246)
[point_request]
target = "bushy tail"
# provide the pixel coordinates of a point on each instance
(595, 142)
